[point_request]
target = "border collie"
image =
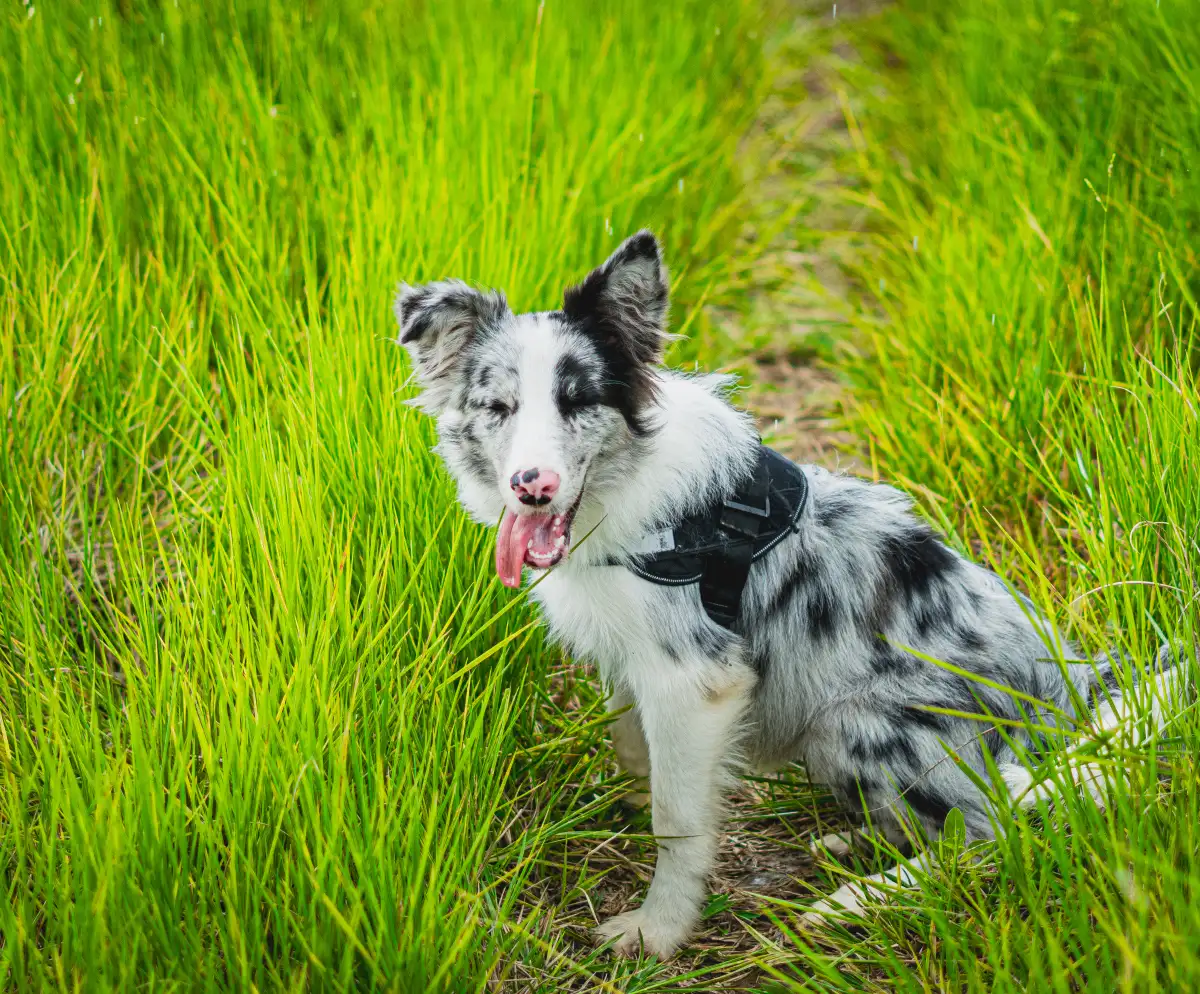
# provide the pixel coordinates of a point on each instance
(562, 425)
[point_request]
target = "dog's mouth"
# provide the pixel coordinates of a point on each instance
(534, 539)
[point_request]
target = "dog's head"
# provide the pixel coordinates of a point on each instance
(531, 407)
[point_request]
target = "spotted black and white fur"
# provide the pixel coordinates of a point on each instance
(817, 670)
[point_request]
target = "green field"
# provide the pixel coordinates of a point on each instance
(1026, 362)
(267, 719)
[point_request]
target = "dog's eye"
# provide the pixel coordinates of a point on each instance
(499, 408)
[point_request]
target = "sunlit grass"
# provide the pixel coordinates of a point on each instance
(1028, 367)
(266, 720)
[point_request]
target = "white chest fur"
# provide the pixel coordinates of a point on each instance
(601, 613)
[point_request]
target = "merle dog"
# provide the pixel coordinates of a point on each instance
(563, 424)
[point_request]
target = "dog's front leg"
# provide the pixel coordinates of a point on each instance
(691, 717)
(629, 743)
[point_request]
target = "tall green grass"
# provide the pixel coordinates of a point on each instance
(266, 720)
(1029, 337)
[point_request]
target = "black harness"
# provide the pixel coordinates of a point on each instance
(716, 546)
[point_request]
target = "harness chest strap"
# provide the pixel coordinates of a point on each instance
(716, 546)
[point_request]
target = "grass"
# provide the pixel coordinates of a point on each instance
(267, 722)
(1027, 357)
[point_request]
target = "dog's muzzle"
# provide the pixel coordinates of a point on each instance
(534, 539)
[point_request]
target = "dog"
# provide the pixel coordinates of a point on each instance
(564, 427)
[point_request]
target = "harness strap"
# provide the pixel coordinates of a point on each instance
(727, 567)
(716, 546)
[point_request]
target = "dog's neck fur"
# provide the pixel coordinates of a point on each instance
(698, 451)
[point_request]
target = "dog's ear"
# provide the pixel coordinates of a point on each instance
(623, 303)
(437, 322)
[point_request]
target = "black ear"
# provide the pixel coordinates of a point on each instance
(623, 303)
(437, 322)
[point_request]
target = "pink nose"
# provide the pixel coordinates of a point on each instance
(534, 486)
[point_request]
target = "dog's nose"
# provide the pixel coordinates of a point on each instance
(534, 486)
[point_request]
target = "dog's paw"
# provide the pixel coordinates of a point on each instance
(846, 900)
(635, 931)
(855, 898)
(839, 845)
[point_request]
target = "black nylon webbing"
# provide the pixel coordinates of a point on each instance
(727, 567)
(715, 547)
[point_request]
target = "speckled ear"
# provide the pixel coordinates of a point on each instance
(622, 305)
(438, 321)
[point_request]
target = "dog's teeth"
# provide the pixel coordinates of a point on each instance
(529, 544)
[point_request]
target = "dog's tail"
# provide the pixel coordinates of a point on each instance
(1138, 714)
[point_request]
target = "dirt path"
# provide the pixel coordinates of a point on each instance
(800, 307)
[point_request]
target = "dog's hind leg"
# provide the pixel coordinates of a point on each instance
(1142, 710)
(629, 743)
(691, 715)
(893, 767)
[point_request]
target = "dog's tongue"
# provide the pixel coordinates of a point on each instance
(537, 539)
